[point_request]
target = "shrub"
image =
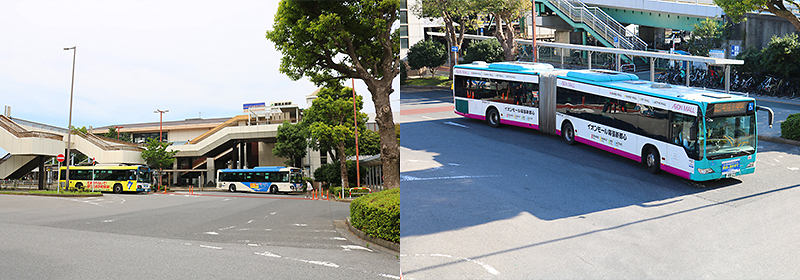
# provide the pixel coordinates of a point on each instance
(329, 173)
(484, 50)
(403, 73)
(790, 128)
(427, 53)
(378, 214)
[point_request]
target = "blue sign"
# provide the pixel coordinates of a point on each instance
(253, 105)
(734, 50)
(454, 48)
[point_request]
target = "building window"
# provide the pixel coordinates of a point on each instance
(404, 31)
(403, 17)
(404, 43)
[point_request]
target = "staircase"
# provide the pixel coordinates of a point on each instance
(600, 24)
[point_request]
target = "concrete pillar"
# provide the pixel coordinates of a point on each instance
(42, 172)
(174, 173)
(210, 170)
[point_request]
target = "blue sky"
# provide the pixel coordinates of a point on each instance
(193, 58)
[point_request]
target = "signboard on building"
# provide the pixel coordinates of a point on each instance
(734, 51)
(248, 106)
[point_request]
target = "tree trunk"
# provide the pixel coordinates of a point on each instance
(342, 164)
(505, 35)
(390, 147)
(776, 7)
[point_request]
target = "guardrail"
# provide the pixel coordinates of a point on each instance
(606, 26)
(21, 132)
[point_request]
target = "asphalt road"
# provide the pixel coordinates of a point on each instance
(511, 203)
(176, 236)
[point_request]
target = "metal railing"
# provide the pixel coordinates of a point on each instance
(97, 141)
(603, 24)
(21, 132)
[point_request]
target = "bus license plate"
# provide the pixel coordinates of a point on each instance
(730, 168)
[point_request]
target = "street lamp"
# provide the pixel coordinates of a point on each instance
(117, 128)
(160, 122)
(69, 128)
(160, 133)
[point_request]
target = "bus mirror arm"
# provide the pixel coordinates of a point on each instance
(771, 114)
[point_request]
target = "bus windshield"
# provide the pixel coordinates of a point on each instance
(297, 177)
(730, 136)
(143, 175)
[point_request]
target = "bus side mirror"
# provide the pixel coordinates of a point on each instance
(769, 111)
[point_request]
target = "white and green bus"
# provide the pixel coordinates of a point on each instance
(692, 133)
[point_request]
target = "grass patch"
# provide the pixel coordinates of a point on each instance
(435, 81)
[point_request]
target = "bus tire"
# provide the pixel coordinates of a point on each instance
(232, 188)
(273, 190)
(79, 187)
(568, 133)
(493, 117)
(117, 188)
(652, 160)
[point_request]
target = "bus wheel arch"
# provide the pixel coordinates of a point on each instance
(273, 190)
(232, 188)
(651, 158)
(493, 116)
(117, 188)
(568, 132)
(79, 187)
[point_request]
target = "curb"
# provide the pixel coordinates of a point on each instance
(54, 195)
(423, 87)
(377, 241)
(779, 140)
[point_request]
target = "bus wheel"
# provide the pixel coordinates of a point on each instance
(652, 160)
(232, 188)
(117, 188)
(273, 190)
(568, 133)
(493, 117)
(79, 187)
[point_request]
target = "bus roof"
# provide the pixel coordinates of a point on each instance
(107, 167)
(631, 82)
(261, 169)
(521, 67)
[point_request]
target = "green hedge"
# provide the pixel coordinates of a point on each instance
(378, 214)
(790, 128)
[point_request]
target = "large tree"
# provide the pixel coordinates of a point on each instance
(458, 16)
(328, 41)
(705, 36)
(505, 13)
(737, 8)
(330, 120)
(157, 157)
(291, 143)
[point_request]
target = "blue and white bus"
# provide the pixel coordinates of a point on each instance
(269, 179)
(692, 133)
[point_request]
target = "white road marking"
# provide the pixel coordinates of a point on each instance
(301, 225)
(390, 276)
(211, 233)
(244, 229)
(252, 245)
(210, 247)
(250, 221)
(273, 213)
(338, 238)
(227, 228)
(456, 124)
(793, 168)
(109, 221)
(406, 178)
(268, 254)
(268, 229)
(487, 267)
(354, 247)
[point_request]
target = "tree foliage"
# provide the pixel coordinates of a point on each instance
(484, 50)
(737, 8)
(330, 122)
(427, 53)
(705, 36)
(781, 57)
(458, 17)
(328, 41)
(156, 155)
(505, 13)
(291, 143)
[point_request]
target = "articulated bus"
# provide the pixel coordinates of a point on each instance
(692, 133)
(270, 179)
(134, 178)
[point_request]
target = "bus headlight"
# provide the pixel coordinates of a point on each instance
(705, 170)
(751, 165)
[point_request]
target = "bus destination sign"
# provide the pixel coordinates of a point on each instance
(729, 109)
